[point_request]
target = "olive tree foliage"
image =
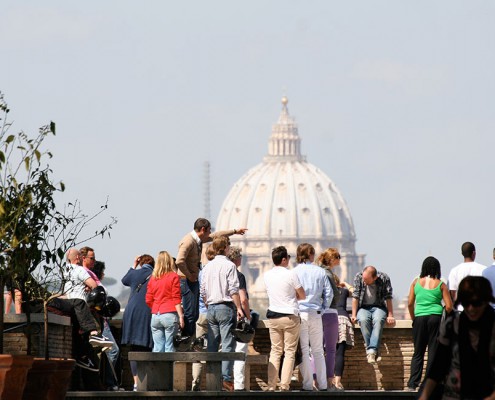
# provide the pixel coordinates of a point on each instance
(34, 233)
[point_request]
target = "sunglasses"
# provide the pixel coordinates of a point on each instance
(474, 303)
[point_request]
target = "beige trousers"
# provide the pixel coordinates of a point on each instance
(284, 337)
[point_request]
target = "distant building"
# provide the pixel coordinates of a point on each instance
(286, 201)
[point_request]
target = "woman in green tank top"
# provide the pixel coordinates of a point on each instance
(425, 307)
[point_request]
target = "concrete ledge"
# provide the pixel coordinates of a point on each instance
(37, 318)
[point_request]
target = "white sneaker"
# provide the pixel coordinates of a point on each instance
(371, 358)
(100, 341)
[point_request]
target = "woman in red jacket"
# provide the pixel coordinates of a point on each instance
(164, 299)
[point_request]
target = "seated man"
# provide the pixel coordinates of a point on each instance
(78, 284)
(373, 298)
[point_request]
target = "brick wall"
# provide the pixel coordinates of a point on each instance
(59, 331)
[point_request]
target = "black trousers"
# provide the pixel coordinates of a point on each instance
(80, 309)
(339, 358)
(425, 332)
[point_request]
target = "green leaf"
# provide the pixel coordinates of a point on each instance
(27, 161)
(52, 127)
(2, 156)
(37, 154)
(62, 186)
(10, 139)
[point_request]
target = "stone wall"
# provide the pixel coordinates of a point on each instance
(391, 373)
(59, 332)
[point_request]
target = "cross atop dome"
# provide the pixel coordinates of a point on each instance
(284, 142)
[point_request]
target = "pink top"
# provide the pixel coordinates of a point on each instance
(163, 294)
(93, 275)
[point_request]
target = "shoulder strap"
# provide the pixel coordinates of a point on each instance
(138, 287)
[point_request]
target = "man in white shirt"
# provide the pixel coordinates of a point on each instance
(220, 292)
(468, 267)
(489, 273)
(78, 284)
(283, 289)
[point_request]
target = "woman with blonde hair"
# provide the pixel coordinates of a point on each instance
(164, 299)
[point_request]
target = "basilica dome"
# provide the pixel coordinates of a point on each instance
(285, 200)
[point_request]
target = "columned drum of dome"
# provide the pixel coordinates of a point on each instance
(287, 201)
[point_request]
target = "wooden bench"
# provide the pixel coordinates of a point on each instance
(156, 370)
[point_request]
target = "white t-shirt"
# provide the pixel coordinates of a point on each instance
(458, 273)
(75, 287)
(281, 284)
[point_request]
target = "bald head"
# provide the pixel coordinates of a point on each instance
(74, 256)
(369, 275)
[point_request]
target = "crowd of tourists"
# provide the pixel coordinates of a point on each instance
(199, 301)
(308, 319)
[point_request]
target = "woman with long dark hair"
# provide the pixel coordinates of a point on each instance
(465, 355)
(425, 307)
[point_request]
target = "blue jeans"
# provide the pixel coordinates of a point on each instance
(371, 320)
(221, 320)
(163, 328)
(190, 303)
(112, 355)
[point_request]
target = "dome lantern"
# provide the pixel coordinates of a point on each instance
(285, 142)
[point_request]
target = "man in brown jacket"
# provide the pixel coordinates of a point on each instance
(188, 262)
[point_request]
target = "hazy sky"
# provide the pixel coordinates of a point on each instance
(394, 101)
